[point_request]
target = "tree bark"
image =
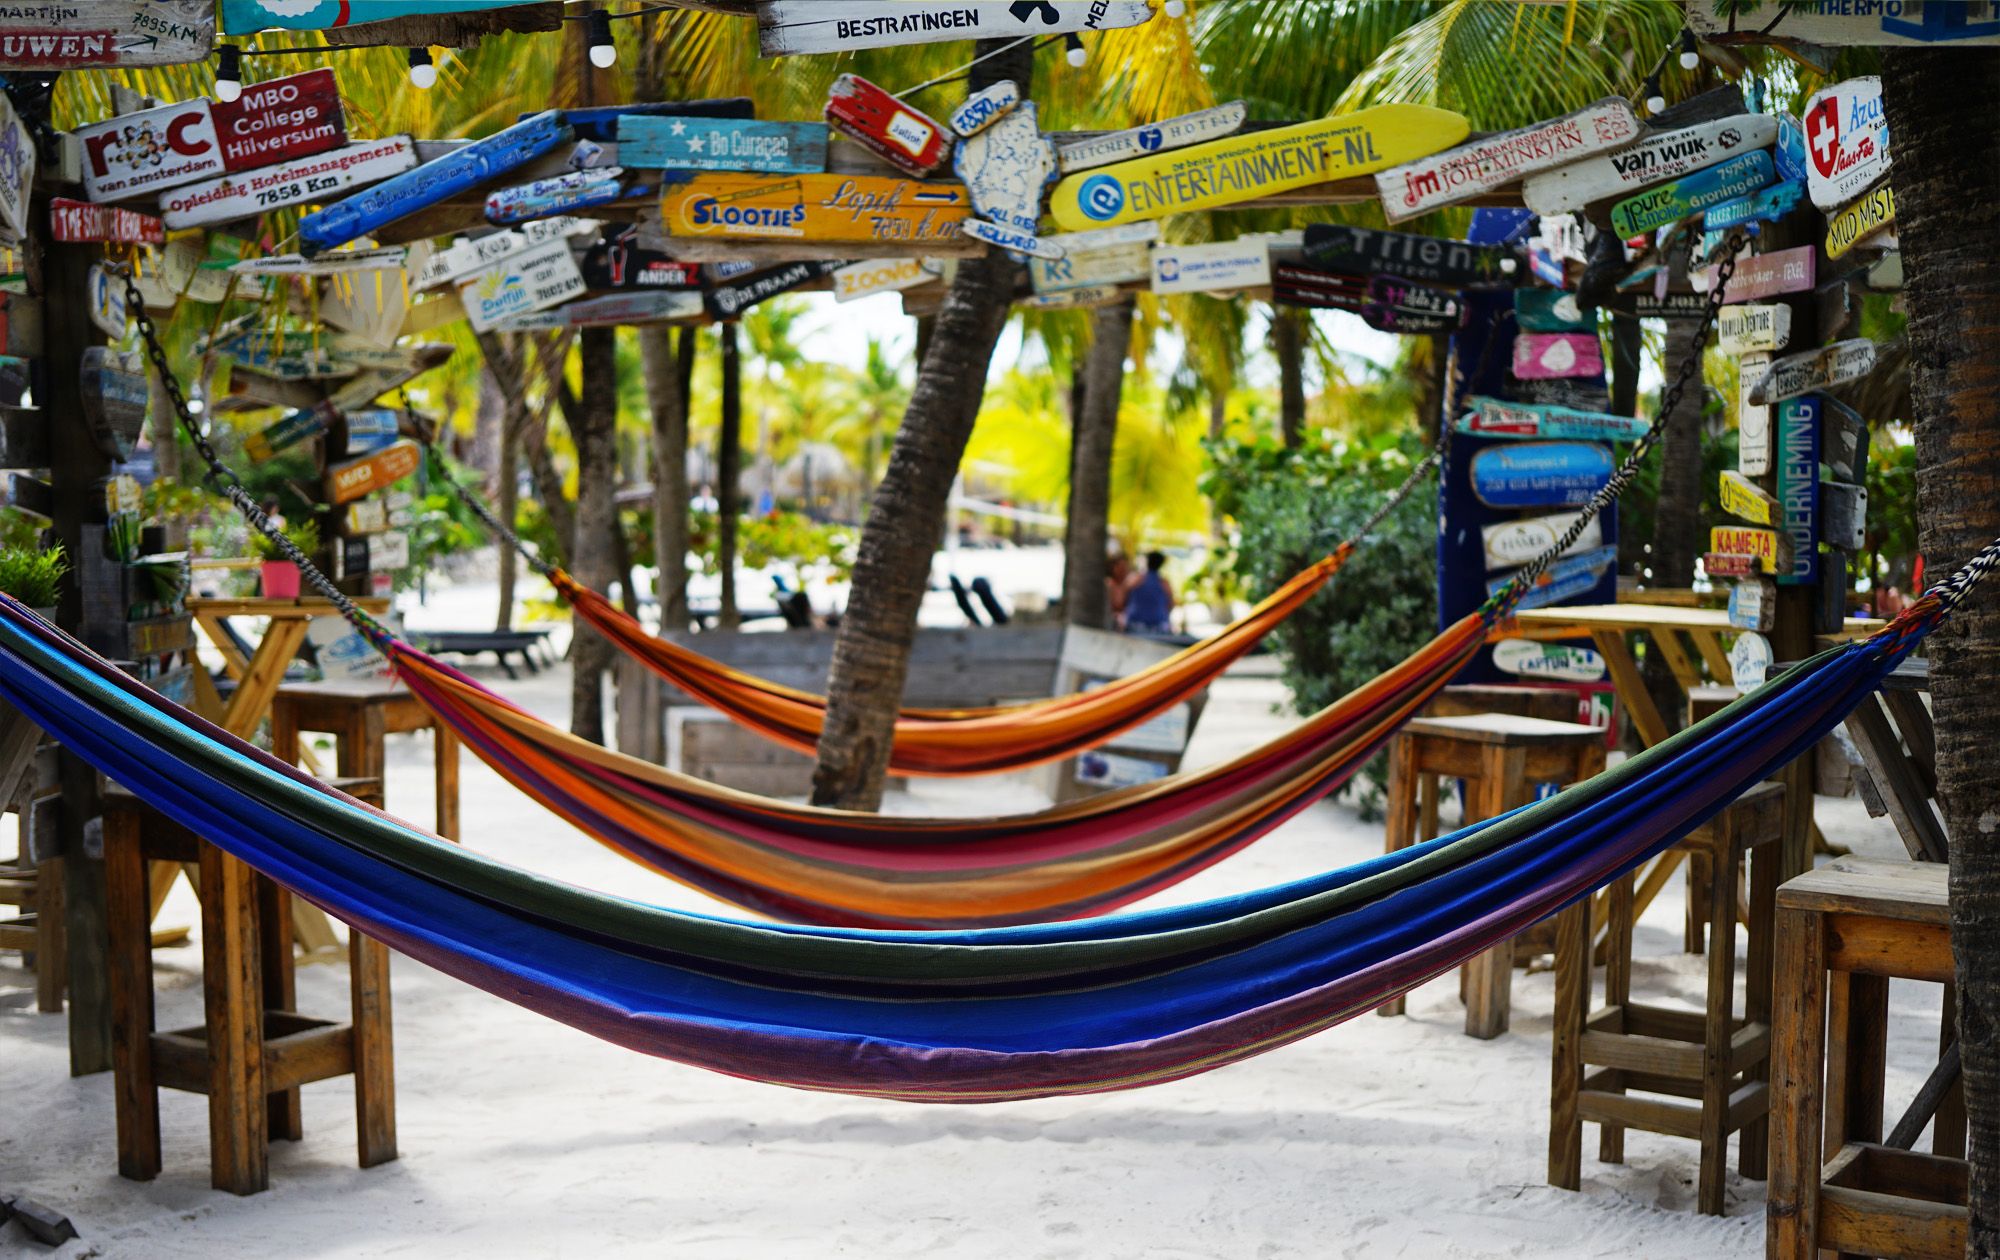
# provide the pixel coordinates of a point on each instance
(1677, 526)
(871, 657)
(729, 472)
(1288, 343)
(1948, 219)
(1093, 436)
(1625, 347)
(594, 547)
(670, 493)
(506, 505)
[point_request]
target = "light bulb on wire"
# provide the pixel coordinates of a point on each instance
(423, 72)
(1690, 55)
(1656, 101)
(603, 53)
(228, 72)
(1074, 54)
(1175, 8)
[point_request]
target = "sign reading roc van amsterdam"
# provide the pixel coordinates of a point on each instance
(135, 154)
(282, 119)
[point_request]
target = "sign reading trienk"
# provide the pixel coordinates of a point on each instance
(1430, 259)
(1654, 160)
(788, 27)
(135, 154)
(527, 281)
(300, 182)
(59, 36)
(1481, 166)
(280, 120)
(1847, 141)
(1174, 133)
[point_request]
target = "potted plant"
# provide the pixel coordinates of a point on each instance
(34, 576)
(279, 577)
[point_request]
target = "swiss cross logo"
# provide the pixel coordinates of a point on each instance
(1823, 135)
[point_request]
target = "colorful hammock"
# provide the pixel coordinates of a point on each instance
(975, 1016)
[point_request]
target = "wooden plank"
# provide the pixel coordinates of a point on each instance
(252, 698)
(1912, 892)
(1741, 176)
(1627, 1111)
(1871, 946)
(1172, 133)
(1678, 662)
(840, 208)
(106, 33)
(1490, 163)
(1751, 329)
(791, 27)
(1567, 1056)
(1713, 655)
(237, 1134)
(1494, 417)
(1797, 1067)
(128, 911)
(681, 142)
(1657, 1055)
(1631, 687)
(886, 125)
(299, 181)
(1864, 1222)
(373, 1049)
(1873, 212)
(1903, 794)
(1823, 367)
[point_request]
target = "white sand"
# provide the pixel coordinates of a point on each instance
(521, 1137)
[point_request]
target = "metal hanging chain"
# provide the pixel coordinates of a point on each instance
(479, 509)
(231, 486)
(1502, 604)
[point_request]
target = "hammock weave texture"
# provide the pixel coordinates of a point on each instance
(958, 741)
(967, 1016)
(815, 865)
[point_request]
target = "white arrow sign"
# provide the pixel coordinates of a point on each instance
(789, 27)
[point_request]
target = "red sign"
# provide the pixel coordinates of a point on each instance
(894, 130)
(287, 118)
(84, 221)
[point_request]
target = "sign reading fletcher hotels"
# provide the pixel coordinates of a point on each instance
(1481, 166)
(105, 33)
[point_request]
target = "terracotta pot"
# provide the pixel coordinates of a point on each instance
(280, 579)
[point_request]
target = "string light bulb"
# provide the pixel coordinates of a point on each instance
(228, 72)
(603, 53)
(1690, 55)
(423, 72)
(1656, 101)
(1074, 54)
(1175, 8)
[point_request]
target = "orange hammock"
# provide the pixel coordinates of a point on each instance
(946, 742)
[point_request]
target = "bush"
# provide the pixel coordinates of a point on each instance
(1293, 506)
(33, 575)
(304, 536)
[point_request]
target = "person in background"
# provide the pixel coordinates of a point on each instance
(1149, 599)
(277, 518)
(1117, 578)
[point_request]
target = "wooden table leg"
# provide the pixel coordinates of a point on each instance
(1566, 1070)
(1718, 1025)
(1753, 1145)
(280, 990)
(239, 1153)
(252, 700)
(51, 937)
(1399, 831)
(1713, 654)
(129, 913)
(1631, 687)
(447, 782)
(374, 1050)
(1798, 1054)
(1620, 917)
(1489, 976)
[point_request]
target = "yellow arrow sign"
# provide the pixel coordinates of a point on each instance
(1258, 164)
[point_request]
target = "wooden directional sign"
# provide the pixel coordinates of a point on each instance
(81, 221)
(728, 299)
(1725, 564)
(1551, 311)
(1765, 275)
(1762, 545)
(1745, 500)
(1740, 176)
(611, 311)
(17, 169)
(349, 481)
(1843, 516)
(1492, 417)
(678, 142)
(1847, 141)
(617, 262)
(1874, 212)
(1843, 441)
(1753, 420)
(245, 17)
(1244, 263)
(1540, 356)
(339, 262)
(1823, 368)
(281, 120)
(300, 182)
(1365, 251)
(558, 194)
(1749, 660)
(51, 36)
(1654, 160)
(1650, 305)
(1567, 578)
(365, 517)
(1753, 604)
(1540, 474)
(1159, 137)
(789, 27)
(299, 426)
(288, 356)
(369, 429)
(1511, 543)
(1796, 428)
(1396, 305)
(845, 208)
(136, 154)
(476, 253)
(115, 395)
(1294, 284)
(1485, 165)
(891, 128)
(1119, 255)
(1909, 24)
(465, 168)
(880, 275)
(1074, 299)
(984, 108)
(1765, 206)
(1747, 329)
(531, 280)
(1010, 238)
(1006, 167)
(107, 302)
(1240, 168)
(1525, 658)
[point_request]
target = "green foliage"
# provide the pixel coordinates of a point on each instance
(778, 538)
(304, 536)
(33, 575)
(1892, 498)
(18, 530)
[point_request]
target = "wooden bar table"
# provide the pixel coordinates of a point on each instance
(258, 675)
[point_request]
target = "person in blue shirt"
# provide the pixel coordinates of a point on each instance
(1149, 600)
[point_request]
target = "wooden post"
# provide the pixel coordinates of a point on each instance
(238, 1134)
(374, 1051)
(1798, 1045)
(131, 991)
(728, 472)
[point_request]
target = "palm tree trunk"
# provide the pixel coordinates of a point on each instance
(871, 657)
(1288, 342)
(729, 473)
(594, 549)
(1946, 186)
(506, 500)
(1095, 434)
(670, 498)
(1677, 527)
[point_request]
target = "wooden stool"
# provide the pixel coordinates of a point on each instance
(1551, 704)
(1501, 757)
(253, 1051)
(1843, 931)
(38, 930)
(1713, 1056)
(358, 715)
